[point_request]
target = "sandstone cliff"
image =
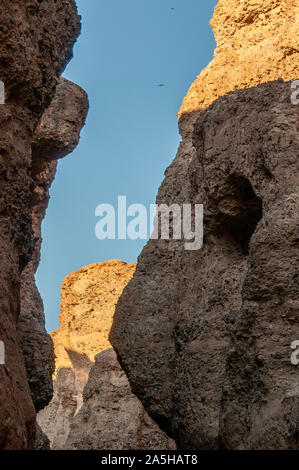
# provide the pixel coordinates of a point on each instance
(111, 416)
(257, 42)
(36, 40)
(205, 336)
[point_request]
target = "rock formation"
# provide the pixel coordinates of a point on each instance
(56, 135)
(204, 336)
(257, 42)
(36, 40)
(88, 299)
(111, 416)
(41, 440)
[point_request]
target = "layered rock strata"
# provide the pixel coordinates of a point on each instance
(204, 336)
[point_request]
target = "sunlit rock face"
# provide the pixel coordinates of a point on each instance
(36, 41)
(257, 42)
(88, 300)
(204, 337)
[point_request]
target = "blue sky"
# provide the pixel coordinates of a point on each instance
(126, 49)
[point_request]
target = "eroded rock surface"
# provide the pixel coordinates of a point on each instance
(257, 42)
(106, 415)
(111, 416)
(36, 40)
(204, 336)
(88, 300)
(56, 135)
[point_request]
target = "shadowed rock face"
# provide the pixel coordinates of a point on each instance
(205, 336)
(185, 321)
(88, 299)
(56, 135)
(107, 415)
(111, 416)
(36, 40)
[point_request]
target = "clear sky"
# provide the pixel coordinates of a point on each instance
(127, 48)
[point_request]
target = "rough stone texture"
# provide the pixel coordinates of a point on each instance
(257, 42)
(41, 440)
(205, 336)
(88, 299)
(111, 416)
(36, 40)
(56, 135)
(55, 419)
(174, 345)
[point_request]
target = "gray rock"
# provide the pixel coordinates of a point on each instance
(208, 382)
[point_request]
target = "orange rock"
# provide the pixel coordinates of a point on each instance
(106, 415)
(88, 300)
(257, 42)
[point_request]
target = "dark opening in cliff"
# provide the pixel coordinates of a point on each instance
(241, 211)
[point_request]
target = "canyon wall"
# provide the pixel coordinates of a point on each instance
(257, 42)
(56, 135)
(36, 44)
(205, 336)
(106, 415)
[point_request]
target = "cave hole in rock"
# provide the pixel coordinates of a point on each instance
(241, 210)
